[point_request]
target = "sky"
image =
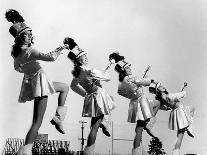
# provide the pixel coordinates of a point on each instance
(169, 35)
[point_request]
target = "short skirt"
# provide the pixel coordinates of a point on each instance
(139, 109)
(180, 118)
(98, 103)
(35, 85)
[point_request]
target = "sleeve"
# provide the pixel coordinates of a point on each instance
(99, 75)
(177, 96)
(142, 81)
(36, 55)
(77, 88)
(164, 107)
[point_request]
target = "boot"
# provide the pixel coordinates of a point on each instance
(190, 131)
(25, 150)
(176, 152)
(105, 130)
(105, 126)
(150, 125)
(21, 150)
(89, 150)
(58, 118)
(137, 151)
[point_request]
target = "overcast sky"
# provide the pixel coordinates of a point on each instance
(169, 35)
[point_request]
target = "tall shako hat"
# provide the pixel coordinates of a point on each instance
(18, 26)
(75, 51)
(154, 87)
(119, 60)
(157, 88)
(121, 65)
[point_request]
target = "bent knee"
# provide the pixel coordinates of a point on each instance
(61, 87)
(66, 88)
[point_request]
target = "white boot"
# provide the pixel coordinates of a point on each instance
(89, 150)
(137, 151)
(150, 125)
(176, 152)
(58, 118)
(25, 150)
(21, 150)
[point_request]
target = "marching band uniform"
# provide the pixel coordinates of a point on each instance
(97, 101)
(181, 116)
(132, 88)
(35, 82)
(140, 108)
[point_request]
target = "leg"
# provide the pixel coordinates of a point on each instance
(40, 105)
(155, 106)
(178, 143)
(105, 126)
(57, 120)
(138, 137)
(95, 124)
(137, 148)
(63, 89)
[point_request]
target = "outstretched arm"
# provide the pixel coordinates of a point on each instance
(99, 75)
(177, 96)
(51, 56)
(143, 82)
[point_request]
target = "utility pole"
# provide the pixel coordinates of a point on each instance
(117, 139)
(82, 138)
(112, 138)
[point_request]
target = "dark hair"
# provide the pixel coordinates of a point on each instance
(70, 42)
(159, 95)
(73, 58)
(122, 76)
(76, 71)
(17, 47)
(116, 57)
(122, 73)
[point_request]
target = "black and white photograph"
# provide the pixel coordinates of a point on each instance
(103, 77)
